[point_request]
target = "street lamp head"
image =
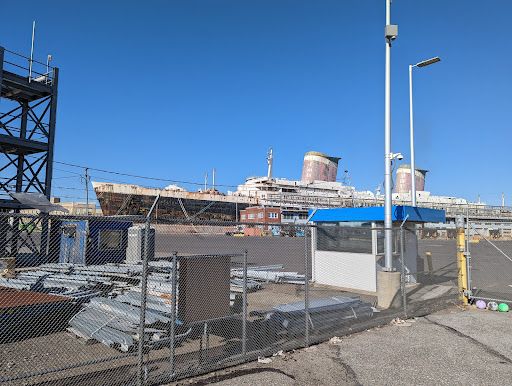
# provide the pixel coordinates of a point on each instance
(428, 62)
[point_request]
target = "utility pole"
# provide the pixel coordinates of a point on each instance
(85, 180)
(391, 32)
(388, 280)
(87, 190)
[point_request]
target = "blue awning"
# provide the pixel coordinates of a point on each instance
(399, 213)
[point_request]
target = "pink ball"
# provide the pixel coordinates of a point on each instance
(480, 304)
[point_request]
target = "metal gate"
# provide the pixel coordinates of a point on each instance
(490, 264)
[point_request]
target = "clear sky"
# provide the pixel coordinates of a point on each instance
(172, 89)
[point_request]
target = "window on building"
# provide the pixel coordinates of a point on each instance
(348, 239)
(110, 240)
(243, 217)
(250, 216)
(260, 215)
(272, 215)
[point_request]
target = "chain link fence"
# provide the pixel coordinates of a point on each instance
(490, 262)
(127, 300)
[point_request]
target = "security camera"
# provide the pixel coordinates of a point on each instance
(399, 156)
(391, 32)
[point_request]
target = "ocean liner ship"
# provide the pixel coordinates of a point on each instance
(317, 188)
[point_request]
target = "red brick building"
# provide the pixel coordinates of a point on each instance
(260, 214)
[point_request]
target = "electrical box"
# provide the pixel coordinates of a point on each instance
(135, 249)
(204, 287)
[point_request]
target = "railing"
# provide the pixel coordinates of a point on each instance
(38, 72)
(311, 202)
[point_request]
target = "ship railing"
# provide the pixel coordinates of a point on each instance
(474, 210)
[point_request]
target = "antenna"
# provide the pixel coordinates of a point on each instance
(31, 52)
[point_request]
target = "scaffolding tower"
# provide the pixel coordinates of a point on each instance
(28, 108)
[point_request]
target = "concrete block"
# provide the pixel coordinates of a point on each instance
(388, 289)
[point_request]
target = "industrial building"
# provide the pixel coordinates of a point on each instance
(74, 208)
(262, 215)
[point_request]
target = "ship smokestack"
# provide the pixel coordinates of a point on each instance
(319, 167)
(403, 179)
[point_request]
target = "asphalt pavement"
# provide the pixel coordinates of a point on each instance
(456, 346)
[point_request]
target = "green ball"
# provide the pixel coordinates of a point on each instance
(503, 307)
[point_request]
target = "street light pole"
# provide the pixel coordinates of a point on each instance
(413, 167)
(391, 33)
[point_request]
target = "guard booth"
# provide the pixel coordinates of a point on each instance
(95, 241)
(348, 244)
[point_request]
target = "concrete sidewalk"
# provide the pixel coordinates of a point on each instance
(454, 346)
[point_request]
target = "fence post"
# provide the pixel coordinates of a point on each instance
(402, 257)
(173, 312)
(244, 309)
(306, 287)
(43, 252)
(143, 295)
(468, 253)
(4, 228)
(461, 261)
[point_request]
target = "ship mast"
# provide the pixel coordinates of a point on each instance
(270, 161)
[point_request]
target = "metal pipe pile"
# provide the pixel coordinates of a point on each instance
(323, 314)
(114, 323)
(269, 273)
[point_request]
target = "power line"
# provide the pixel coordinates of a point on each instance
(143, 177)
(59, 178)
(67, 171)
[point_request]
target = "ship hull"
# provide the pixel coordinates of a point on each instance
(113, 204)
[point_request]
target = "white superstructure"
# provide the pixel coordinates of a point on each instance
(272, 191)
(299, 195)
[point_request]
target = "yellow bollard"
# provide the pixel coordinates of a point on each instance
(430, 267)
(461, 265)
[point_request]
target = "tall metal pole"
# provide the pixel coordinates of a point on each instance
(413, 168)
(172, 347)
(87, 191)
(388, 241)
(306, 286)
(143, 295)
(244, 308)
(31, 52)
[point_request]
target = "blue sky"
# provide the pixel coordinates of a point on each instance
(172, 89)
